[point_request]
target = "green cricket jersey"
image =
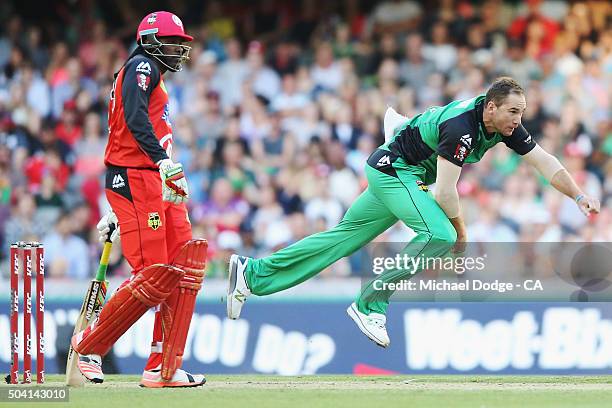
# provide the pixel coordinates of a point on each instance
(455, 131)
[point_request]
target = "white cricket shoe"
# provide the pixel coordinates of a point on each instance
(237, 290)
(180, 379)
(91, 367)
(372, 325)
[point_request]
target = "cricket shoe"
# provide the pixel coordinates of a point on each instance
(180, 379)
(372, 325)
(237, 290)
(91, 368)
(90, 365)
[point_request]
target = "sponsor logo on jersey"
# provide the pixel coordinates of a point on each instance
(154, 221)
(144, 67)
(466, 140)
(166, 114)
(383, 161)
(143, 81)
(422, 186)
(118, 181)
(461, 152)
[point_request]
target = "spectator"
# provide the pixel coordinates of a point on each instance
(47, 163)
(69, 84)
(414, 69)
(518, 64)
(224, 210)
(232, 72)
(37, 91)
(264, 81)
(309, 126)
(540, 31)
(87, 149)
(326, 72)
(323, 207)
(23, 225)
(343, 130)
(66, 254)
(396, 16)
(275, 150)
(490, 228)
(68, 130)
(290, 102)
(343, 183)
(439, 50)
(267, 213)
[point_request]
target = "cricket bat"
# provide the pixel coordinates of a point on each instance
(92, 304)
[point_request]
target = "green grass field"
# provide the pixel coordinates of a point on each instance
(253, 391)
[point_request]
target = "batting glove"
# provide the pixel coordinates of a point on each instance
(174, 184)
(104, 228)
(588, 204)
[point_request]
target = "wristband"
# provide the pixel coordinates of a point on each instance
(579, 197)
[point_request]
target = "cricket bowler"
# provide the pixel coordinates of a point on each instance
(428, 148)
(147, 192)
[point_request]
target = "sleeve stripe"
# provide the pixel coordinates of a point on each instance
(165, 139)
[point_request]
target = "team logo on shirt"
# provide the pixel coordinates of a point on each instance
(144, 67)
(466, 140)
(143, 81)
(118, 181)
(422, 186)
(383, 161)
(154, 221)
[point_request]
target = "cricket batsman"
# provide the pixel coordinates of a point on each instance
(428, 148)
(147, 192)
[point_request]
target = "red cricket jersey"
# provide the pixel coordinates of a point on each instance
(140, 133)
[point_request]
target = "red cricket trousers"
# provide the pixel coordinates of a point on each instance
(152, 230)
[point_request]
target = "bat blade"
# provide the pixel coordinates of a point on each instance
(94, 299)
(90, 309)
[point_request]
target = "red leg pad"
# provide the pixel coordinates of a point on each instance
(192, 258)
(177, 309)
(148, 288)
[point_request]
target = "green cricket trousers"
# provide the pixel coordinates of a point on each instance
(395, 192)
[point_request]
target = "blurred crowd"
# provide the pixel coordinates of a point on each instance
(282, 102)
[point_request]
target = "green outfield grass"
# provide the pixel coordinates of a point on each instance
(252, 391)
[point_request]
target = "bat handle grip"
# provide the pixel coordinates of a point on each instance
(108, 244)
(111, 229)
